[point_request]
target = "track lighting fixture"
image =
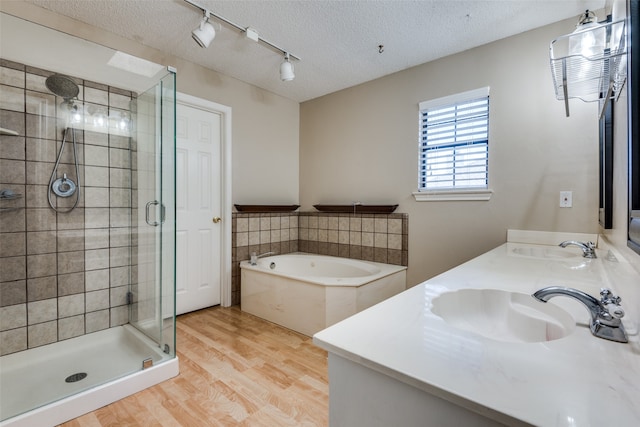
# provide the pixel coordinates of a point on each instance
(286, 69)
(205, 33)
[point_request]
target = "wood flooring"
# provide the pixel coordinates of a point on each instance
(235, 370)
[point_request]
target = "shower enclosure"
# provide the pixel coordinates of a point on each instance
(87, 224)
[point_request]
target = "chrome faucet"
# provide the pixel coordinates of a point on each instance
(605, 313)
(588, 249)
(254, 257)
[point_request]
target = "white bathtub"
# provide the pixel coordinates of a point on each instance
(307, 292)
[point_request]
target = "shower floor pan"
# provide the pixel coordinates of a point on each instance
(74, 376)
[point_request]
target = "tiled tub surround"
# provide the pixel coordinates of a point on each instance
(260, 233)
(370, 237)
(61, 274)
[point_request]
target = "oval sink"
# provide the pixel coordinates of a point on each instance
(503, 316)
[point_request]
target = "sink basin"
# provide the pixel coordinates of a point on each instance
(503, 316)
(546, 252)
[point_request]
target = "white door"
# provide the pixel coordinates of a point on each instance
(198, 208)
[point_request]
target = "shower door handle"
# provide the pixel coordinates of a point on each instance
(147, 216)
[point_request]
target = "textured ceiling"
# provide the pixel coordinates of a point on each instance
(337, 40)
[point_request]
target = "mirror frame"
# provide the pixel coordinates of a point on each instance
(605, 215)
(633, 84)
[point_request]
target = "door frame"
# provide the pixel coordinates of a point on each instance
(225, 186)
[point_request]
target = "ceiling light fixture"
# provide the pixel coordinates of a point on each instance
(587, 43)
(286, 69)
(205, 33)
(590, 63)
(589, 40)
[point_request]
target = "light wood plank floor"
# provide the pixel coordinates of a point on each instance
(235, 370)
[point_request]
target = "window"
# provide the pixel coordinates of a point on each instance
(454, 142)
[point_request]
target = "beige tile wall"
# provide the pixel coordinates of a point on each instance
(65, 274)
(369, 237)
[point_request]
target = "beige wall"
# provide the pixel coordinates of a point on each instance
(265, 125)
(360, 144)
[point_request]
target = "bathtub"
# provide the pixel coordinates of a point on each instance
(308, 293)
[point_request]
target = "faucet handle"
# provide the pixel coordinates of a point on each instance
(611, 303)
(615, 310)
(607, 297)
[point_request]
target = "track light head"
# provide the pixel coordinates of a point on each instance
(286, 69)
(205, 33)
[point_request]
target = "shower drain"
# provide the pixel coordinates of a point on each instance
(76, 377)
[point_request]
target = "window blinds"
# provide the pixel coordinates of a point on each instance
(454, 142)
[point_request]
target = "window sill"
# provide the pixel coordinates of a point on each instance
(453, 196)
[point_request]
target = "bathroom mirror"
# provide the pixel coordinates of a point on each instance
(605, 215)
(634, 125)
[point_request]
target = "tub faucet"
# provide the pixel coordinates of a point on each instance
(588, 249)
(605, 313)
(254, 257)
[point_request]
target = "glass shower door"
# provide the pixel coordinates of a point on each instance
(153, 277)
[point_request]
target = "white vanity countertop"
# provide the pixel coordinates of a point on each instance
(579, 380)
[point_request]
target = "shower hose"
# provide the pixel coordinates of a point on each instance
(54, 174)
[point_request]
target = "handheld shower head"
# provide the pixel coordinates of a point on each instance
(67, 89)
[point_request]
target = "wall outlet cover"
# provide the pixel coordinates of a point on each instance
(566, 199)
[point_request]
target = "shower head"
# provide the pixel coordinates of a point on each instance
(62, 86)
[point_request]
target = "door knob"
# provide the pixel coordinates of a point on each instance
(216, 219)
